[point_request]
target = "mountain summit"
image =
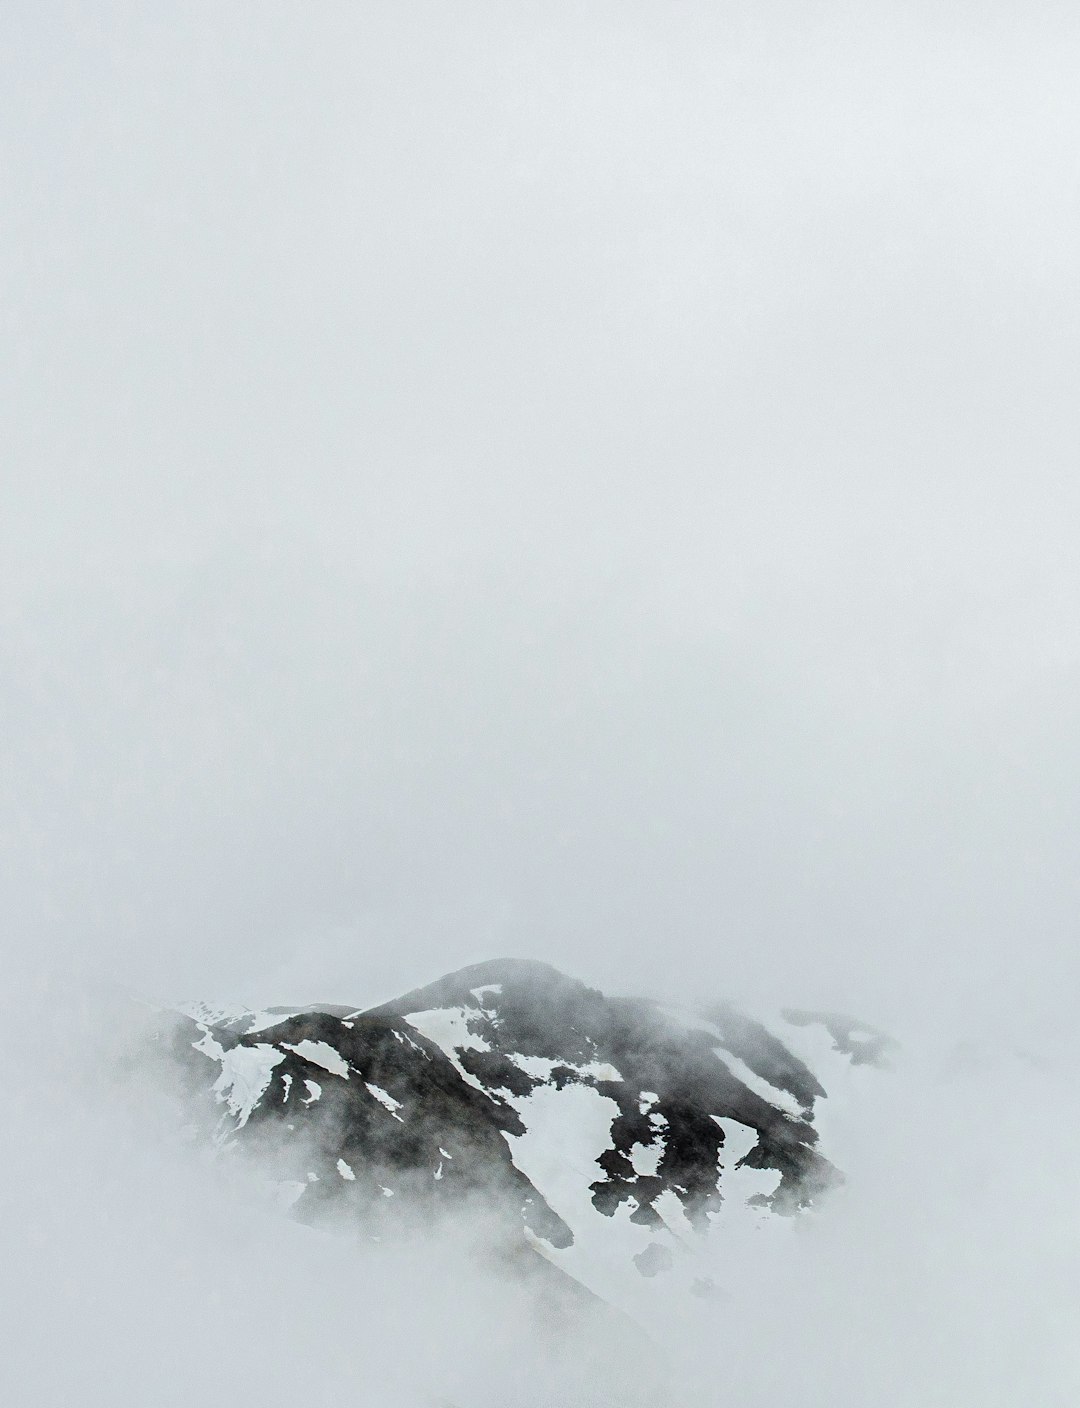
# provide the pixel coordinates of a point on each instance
(615, 1137)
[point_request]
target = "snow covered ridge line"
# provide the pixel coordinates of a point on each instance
(608, 1135)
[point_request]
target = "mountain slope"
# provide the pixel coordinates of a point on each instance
(615, 1137)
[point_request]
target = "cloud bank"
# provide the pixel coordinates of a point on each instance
(594, 483)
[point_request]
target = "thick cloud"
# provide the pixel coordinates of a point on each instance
(594, 482)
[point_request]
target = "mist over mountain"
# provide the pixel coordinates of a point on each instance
(613, 1138)
(594, 484)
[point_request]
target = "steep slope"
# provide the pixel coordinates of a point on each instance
(615, 1137)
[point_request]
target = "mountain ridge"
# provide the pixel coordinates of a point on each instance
(611, 1136)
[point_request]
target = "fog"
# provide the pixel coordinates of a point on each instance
(591, 482)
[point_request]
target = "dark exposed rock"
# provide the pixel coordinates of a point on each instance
(410, 1110)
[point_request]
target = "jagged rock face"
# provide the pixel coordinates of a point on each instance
(512, 1028)
(607, 1131)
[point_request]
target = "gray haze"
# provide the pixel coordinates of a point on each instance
(589, 481)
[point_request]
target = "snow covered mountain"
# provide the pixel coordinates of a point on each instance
(615, 1138)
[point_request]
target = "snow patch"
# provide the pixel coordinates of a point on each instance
(566, 1131)
(738, 1185)
(782, 1099)
(448, 1028)
(479, 992)
(209, 1046)
(246, 1071)
(542, 1066)
(385, 1100)
(670, 1208)
(382, 1096)
(645, 1158)
(408, 1041)
(320, 1053)
(215, 1014)
(260, 1021)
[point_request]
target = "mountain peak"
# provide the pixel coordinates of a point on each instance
(597, 1131)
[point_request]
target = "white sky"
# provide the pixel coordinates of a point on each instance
(590, 481)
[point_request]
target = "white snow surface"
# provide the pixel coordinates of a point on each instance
(243, 1020)
(246, 1071)
(260, 1021)
(850, 1088)
(542, 1066)
(214, 1014)
(448, 1028)
(408, 1041)
(209, 1046)
(566, 1131)
(320, 1053)
(738, 1185)
(385, 1099)
(480, 992)
(782, 1099)
(646, 1157)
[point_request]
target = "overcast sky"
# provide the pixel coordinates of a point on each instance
(594, 481)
